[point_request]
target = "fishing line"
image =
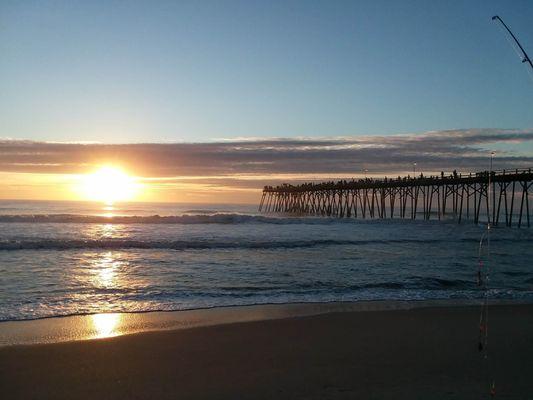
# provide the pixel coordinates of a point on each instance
(516, 49)
(511, 42)
(515, 44)
(484, 283)
(483, 279)
(530, 73)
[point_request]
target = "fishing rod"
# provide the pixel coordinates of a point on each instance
(483, 281)
(525, 57)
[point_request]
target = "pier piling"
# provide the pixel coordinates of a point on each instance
(458, 196)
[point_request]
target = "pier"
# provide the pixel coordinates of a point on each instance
(499, 197)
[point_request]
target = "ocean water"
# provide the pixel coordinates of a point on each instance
(66, 258)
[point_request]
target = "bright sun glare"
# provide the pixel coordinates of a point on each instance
(109, 185)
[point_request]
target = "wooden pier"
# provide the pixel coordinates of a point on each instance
(500, 197)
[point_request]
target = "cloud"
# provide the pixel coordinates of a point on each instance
(248, 163)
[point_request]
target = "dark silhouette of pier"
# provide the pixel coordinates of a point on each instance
(499, 197)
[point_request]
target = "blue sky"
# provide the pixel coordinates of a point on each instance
(119, 72)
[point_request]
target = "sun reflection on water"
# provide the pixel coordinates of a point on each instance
(108, 229)
(106, 280)
(106, 270)
(106, 325)
(105, 231)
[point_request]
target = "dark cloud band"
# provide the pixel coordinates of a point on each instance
(465, 150)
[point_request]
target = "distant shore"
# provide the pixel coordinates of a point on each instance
(379, 350)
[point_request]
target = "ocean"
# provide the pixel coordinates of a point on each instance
(71, 258)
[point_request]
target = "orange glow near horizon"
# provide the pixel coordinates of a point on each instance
(108, 185)
(139, 188)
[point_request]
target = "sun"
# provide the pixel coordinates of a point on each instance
(109, 184)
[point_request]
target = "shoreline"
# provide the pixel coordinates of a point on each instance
(419, 351)
(82, 327)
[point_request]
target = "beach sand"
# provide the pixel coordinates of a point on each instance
(421, 353)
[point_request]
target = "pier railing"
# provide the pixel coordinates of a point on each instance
(501, 196)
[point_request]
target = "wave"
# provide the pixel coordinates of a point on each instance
(434, 282)
(201, 217)
(201, 211)
(198, 244)
(117, 244)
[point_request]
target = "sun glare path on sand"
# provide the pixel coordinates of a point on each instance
(109, 184)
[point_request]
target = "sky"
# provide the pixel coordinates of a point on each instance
(233, 95)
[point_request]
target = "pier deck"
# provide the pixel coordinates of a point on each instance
(499, 197)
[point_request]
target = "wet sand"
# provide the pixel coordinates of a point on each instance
(416, 353)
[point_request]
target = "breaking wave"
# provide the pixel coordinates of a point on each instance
(199, 218)
(202, 217)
